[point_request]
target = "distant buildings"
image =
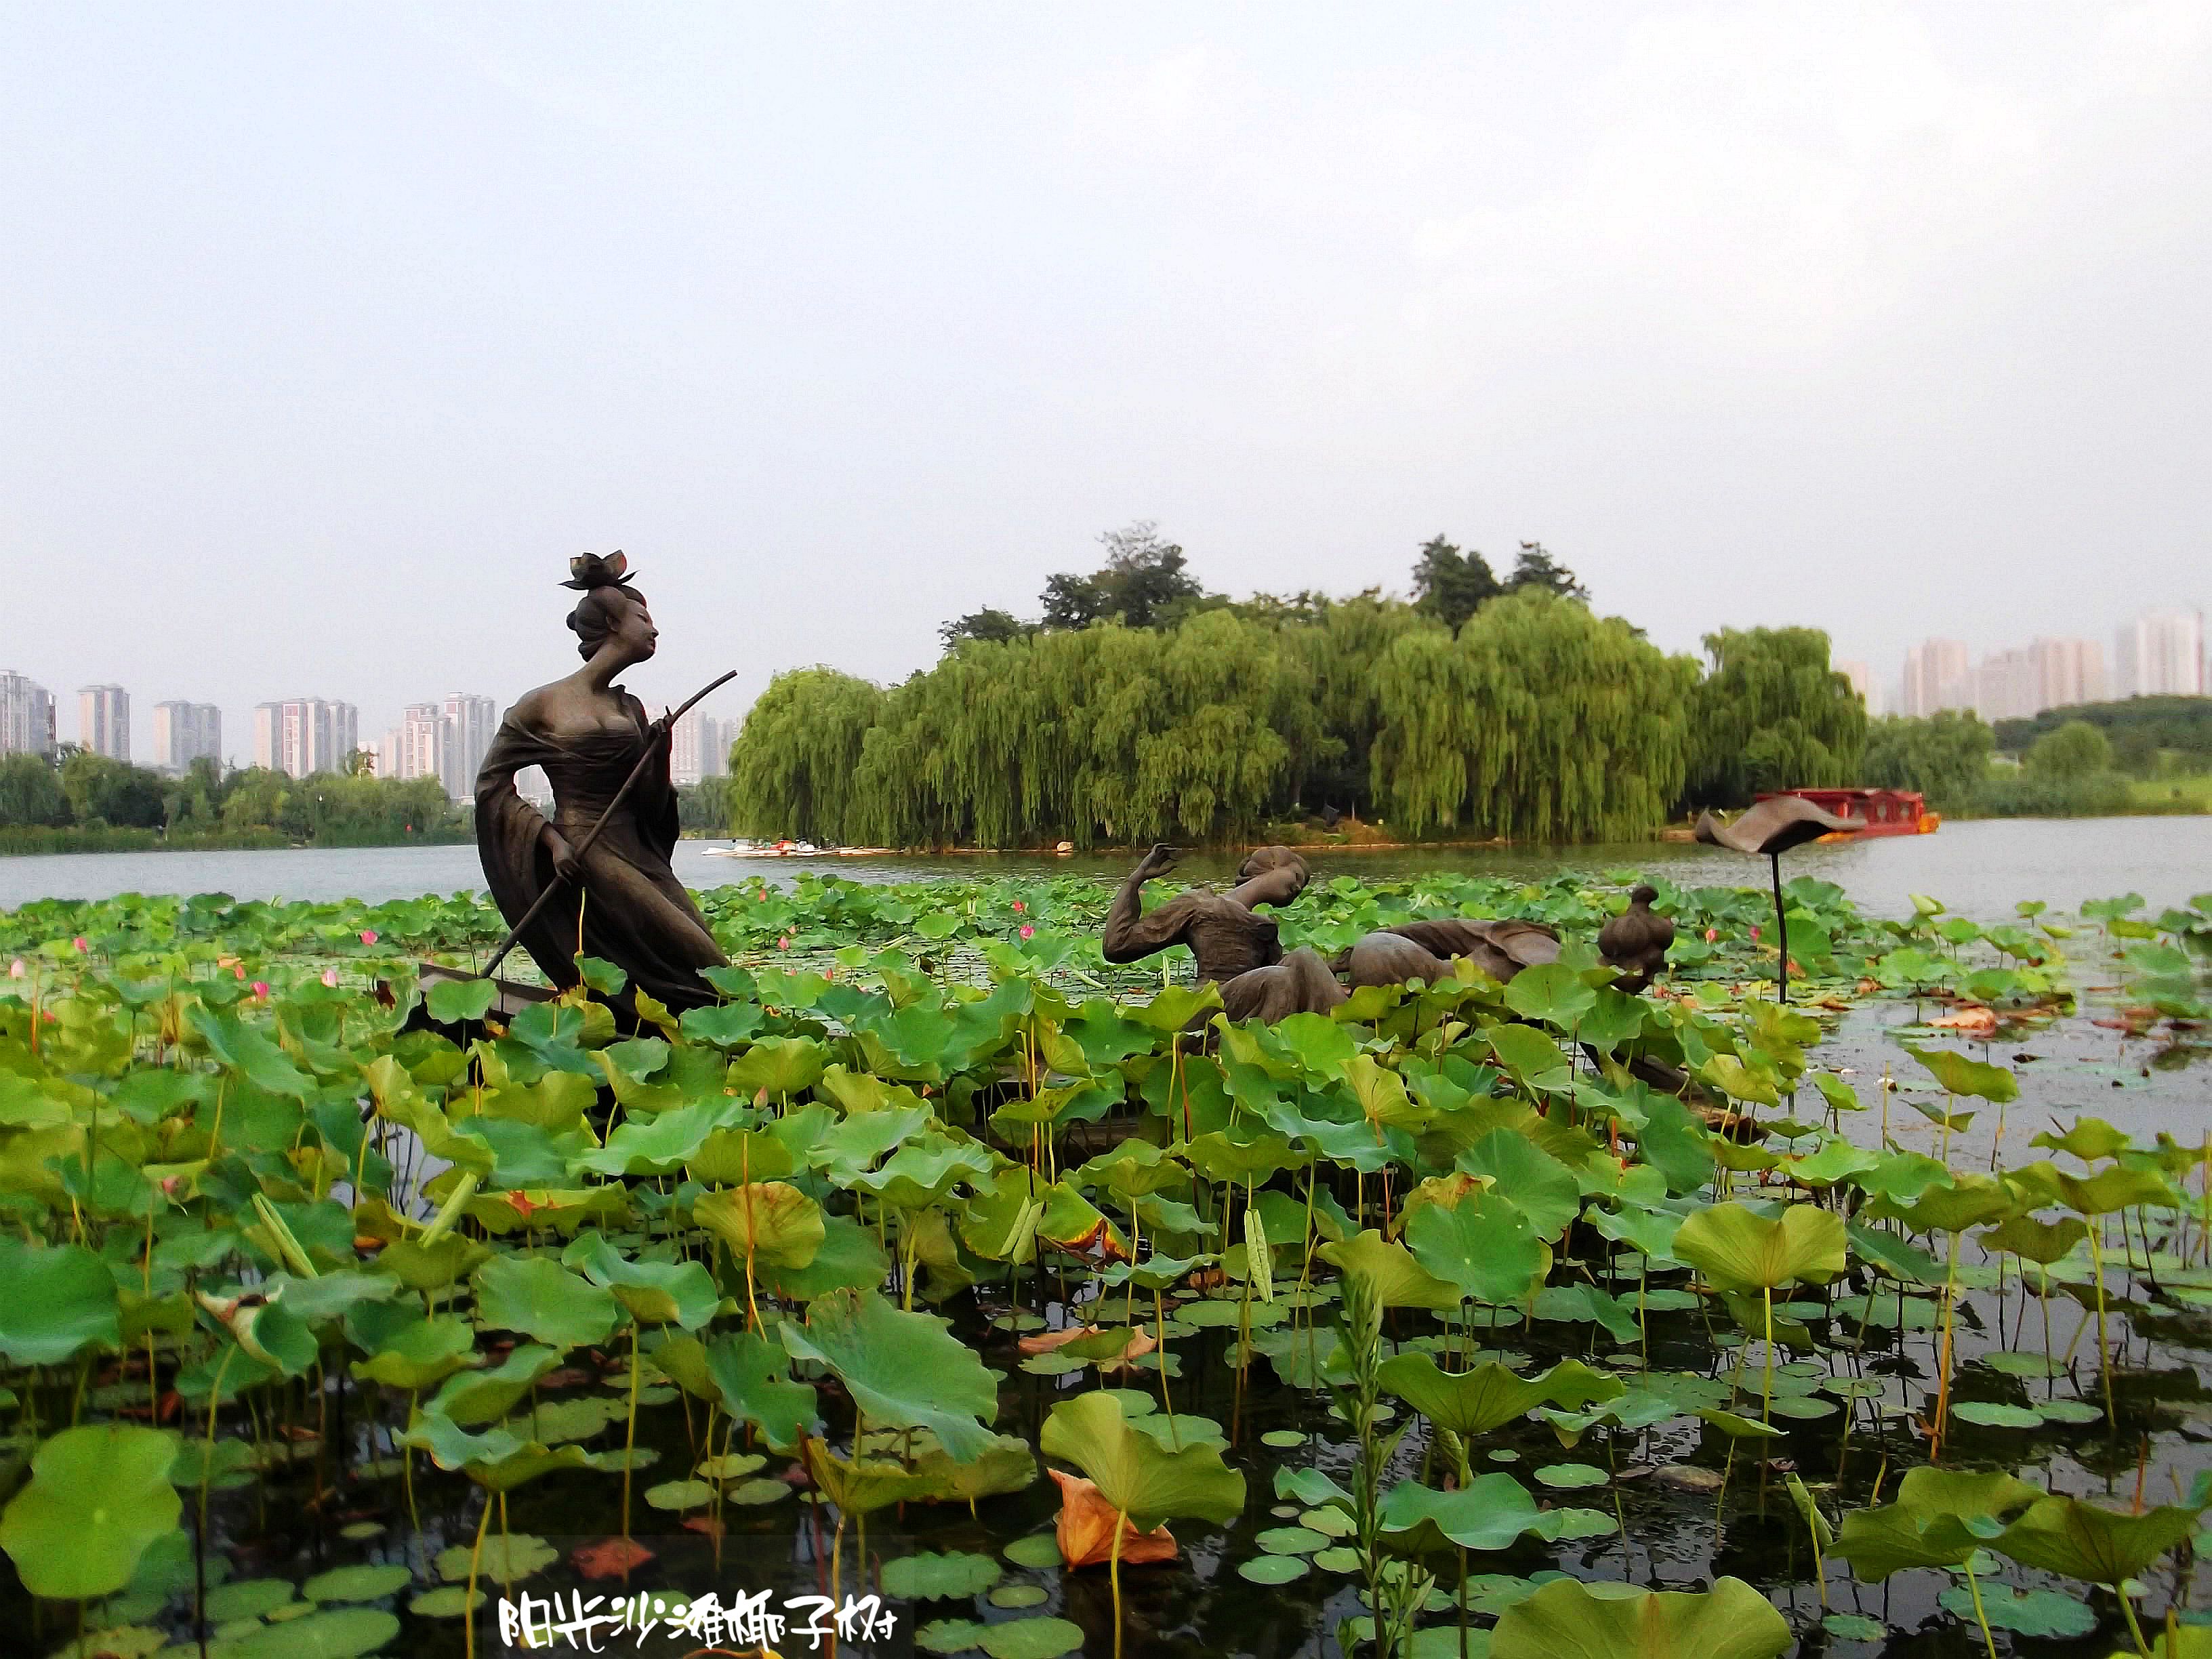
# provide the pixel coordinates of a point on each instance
(103, 720)
(2161, 655)
(1935, 676)
(26, 715)
(700, 747)
(185, 732)
(445, 740)
(1860, 676)
(304, 735)
(2016, 683)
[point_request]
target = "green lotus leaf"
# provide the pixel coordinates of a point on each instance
(782, 1067)
(770, 1222)
(544, 1301)
(248, 1598)
(925, 1172)
(1133, 1472)
(1532, 1056)
(1484, 1245)
(650, 1145)
(1551, 992)
(904, 1370)
(752, 1374)
(476, 1397)
(1968, 1201)
(1960, 1075)
(1737, 1081)
(1490, 1513)
(733, 1157)
(861, 1485)
(932, 1577)
(679, 1494)
(1524, 1174)
(2110, 1191)
(850, 1259)
(420, 1356)
(447, 1601)
(507, 1557)
(59, 1299)
(1393, 1278)
(338, 1633)
(2066, 1536)
(2044, 1242)
(1488, 1397)
(680, 1293)
(1736, 1249)
(1007, 1465)
(452, 1002)
(1992, 1414)
(497, 1460)
(2030, 1613)
(1031, 1638)
(356, 1583)
(1567, 1619)
(434, 1266)
(2090, 1138)
(97, 1497)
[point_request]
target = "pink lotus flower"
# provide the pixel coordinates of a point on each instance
(784, 943)
(1019, 907)
(237, 972)
(1028, 931)
(1755, 936)
(80, 946)
(1712, 936)
(260, 990)
(369, 936)
(330, 977)
(16, 969)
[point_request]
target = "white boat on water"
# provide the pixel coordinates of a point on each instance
(788, 849)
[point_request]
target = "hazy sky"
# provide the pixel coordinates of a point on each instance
(330, 331)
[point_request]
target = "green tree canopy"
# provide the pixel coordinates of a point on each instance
(1452, 586)
(2075, 751)
(1772, 715)
(1945, 757)
(31, 791)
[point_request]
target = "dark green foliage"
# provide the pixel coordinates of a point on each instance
(989, 624)
(2140, 729)
(1452, 586)
(106, 791)
(2074, 752)
(1772, 715)
(1945, 757)
(1538, 569)
(31, 791)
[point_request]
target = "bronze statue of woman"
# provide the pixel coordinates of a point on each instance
(621, 901)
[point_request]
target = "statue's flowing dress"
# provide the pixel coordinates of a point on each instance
(634, 912)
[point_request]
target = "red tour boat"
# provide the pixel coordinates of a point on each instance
(1883, 812)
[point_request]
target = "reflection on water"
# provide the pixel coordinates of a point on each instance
(1981, 869)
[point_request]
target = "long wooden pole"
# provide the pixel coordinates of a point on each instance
(553, 887)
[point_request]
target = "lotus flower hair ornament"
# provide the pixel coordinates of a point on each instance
(590, 570)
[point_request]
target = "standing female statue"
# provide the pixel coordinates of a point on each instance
(621, 901)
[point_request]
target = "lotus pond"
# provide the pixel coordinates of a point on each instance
(942, 1263)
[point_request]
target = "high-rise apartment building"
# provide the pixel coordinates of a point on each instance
(305, 735)
(2005, 687)
(424, 742)
(474, 721)
(185, 732)
(2067, 672)
(103, 720)
(26, 715)
(2161, 655)
(1937, 675)
(700, 748)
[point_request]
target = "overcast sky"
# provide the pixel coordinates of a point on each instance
(330, 331)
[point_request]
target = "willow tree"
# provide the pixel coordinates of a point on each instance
(1330, 668)
(794, 767)
(1772, 715)
(1540, 722)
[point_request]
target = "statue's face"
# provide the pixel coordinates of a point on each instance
(634, 631)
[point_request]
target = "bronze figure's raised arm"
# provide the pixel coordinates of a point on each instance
(594, 880)
(1236, 946)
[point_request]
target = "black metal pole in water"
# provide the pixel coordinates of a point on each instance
(1781, 927)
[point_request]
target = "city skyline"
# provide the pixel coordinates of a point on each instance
(2062, 670)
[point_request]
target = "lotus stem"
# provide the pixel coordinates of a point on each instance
(629, 1445)
(476, 1560)
(1114, 1573)
(1974, 1589)
(2103, 1348)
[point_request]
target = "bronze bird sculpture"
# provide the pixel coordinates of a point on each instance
(1635, 941)
(1772, 827)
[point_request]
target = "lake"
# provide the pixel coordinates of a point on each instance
(1980, 868)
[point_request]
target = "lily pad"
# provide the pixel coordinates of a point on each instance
(2029, 1613)
(1272, 1569)
(1014, 1597)
(932, 1577)
(1031, 1638)
(1039, 1549)
(951, 1636)
(1282, 1439)
(1569, 1477)
(1992, 1415)
(447, 1602)
(679, 1494)
(506, 1559)
(97, 1499)
(1290, 1540)
(341, 1633)
(356, 1583)
(1569, 1619)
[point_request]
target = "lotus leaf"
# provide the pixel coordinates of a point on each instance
(60, 1298)
(901, 1369)
(753, 1376)
(97, 1499)
(1133, 1472)
(1393, 1278)
(2066, 1536)
(1565, 1620)
(679, 1293)
(1736, 1249)
(771, 1223)
(931, 1576)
